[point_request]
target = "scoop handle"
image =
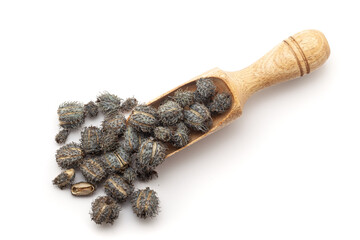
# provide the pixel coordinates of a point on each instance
(294, 57)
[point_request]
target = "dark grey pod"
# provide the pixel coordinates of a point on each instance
(69, 156)
(131, 139)
(221, 103)
(116, 161)
(115, 123)
(197, 117)
(117, 188)
(151, 154)
(128, 105)
(104, 210)
(145, 203)
(109, 140)
(205, 90)
(170, 113)
(108, 103)
(146, 175)
(91, 140)
(181, 136)
(93, 170)
(129, 175)
(65, 178)
(62, 136)
(91, 109)
(162, 133)
(71, 115)
(144, 118)
(183, 97)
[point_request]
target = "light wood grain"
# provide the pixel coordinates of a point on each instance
(296, 56)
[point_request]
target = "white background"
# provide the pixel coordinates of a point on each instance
(287, 169)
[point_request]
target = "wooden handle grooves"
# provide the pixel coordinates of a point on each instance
(298, 54)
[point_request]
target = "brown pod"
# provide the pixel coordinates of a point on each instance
(82, 189)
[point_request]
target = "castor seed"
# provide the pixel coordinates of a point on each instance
(71, 115)
(170, 113)
(104, 210)
(181, 136)
(69, 156)
(108, 103)
(117, 188)
(91, 109)
(91, 140)
(82, 189)
(109, 140)
(61, 137)
(144, 118)
(221, 103)
(205, 90)
(151, 154)
(183, 97)
(65, 178)
(128, 104)
(93, 170)
(145, 203)
(162, 133)
(115, 123)
(197, 117)
(116, 161)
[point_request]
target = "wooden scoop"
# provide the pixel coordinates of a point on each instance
(294, 57)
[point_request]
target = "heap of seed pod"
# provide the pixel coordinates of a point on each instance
(120, 152)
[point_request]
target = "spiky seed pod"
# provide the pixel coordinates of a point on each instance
(61, 137)
(128, 105)
(129, 175)
(109, 140)
(69, 155)
(145, 203)
(196, 117)
(82, 189)
(108, 103)
(146, 175)
(151, 154)
(144, 118)
(91, 109)
(91, 140)
(115, 123)
(170, 113)
(181, 136)
(65, 178)
(205, 90)
(117, 188)
(163, 133)
(183, 97)
(221, 103)
(131, 139)
(71, 115)
(93, 170)
(104, 210)
(116, 161)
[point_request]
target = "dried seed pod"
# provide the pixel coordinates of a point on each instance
(145, 203)
(131, 139)
(151, 154)
(116, 161)
(162, 133)
(129, 175)
(91, 109)
(181, 136)
(71, 115)
(65, 178)
(108, 103)
(197, 116)
(117, 188)
(170, 113)
(62, 136)
(82, 189)
(144, 118)
(221, 103)
(146, 175)
(69, 156)
(109, 140)
(115, 123)
(104, 210)
(128, 105)
(183, 97)
(91, 140)
(93, 170)
(205, 90)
